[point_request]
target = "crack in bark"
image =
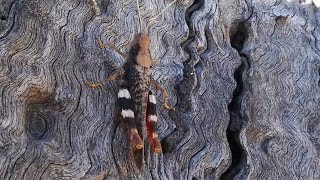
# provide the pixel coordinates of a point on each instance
(237, 119)
(6, 24)
(189, 80)
(319, 77)
(185, 87)
(187, 45)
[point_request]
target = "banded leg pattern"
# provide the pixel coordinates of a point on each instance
(151, 123)
(127, 113)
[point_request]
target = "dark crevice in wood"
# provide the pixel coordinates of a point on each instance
(197, 4)
(187, 45)
(237, 120)
(238, 35)
(185, 87)
(188, 83)
(10, 14)
(5, 9)
(319, 77)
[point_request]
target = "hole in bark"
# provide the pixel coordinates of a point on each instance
(281, 19)
(194, 178)
(3, 18)
(37, 127)
(39, 121)
(239, 35)
(265, 144)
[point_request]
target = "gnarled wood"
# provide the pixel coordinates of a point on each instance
(244, 77)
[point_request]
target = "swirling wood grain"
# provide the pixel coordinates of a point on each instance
(244, 77)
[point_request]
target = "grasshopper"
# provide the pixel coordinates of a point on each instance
(136, 101)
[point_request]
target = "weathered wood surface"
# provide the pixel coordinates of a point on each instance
(244, 77)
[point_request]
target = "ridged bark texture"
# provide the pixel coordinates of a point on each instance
(243, 75)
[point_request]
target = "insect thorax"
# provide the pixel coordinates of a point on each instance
(137, 78)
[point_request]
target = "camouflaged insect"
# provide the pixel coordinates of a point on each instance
(136, 101)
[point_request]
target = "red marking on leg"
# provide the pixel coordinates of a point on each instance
(153, 136)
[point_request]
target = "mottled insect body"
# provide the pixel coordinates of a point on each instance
(137, 81)
(136, 101)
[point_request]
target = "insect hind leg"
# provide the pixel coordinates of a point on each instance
(151, 123)
(164, 92)
(127, 114)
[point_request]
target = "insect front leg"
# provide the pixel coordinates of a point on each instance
(117, 75)
(127, 113)
(102, 46)
(164, 92)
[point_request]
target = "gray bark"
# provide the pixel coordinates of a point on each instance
(244, 77)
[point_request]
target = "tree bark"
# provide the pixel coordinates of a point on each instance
(244, 77)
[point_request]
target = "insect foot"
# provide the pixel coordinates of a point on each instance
(93, 85)
(167, 106)
(157, 145)
(137, 142)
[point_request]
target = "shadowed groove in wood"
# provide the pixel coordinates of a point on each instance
(319, 77)
(197, 70)
(184, 88)
(237, 119)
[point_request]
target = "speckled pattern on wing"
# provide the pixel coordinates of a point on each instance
(138, 79)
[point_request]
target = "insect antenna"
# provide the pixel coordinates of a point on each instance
(140, 20)
(156, 17)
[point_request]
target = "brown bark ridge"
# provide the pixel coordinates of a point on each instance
(244, 77)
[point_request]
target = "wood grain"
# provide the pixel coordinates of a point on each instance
(244, 77)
